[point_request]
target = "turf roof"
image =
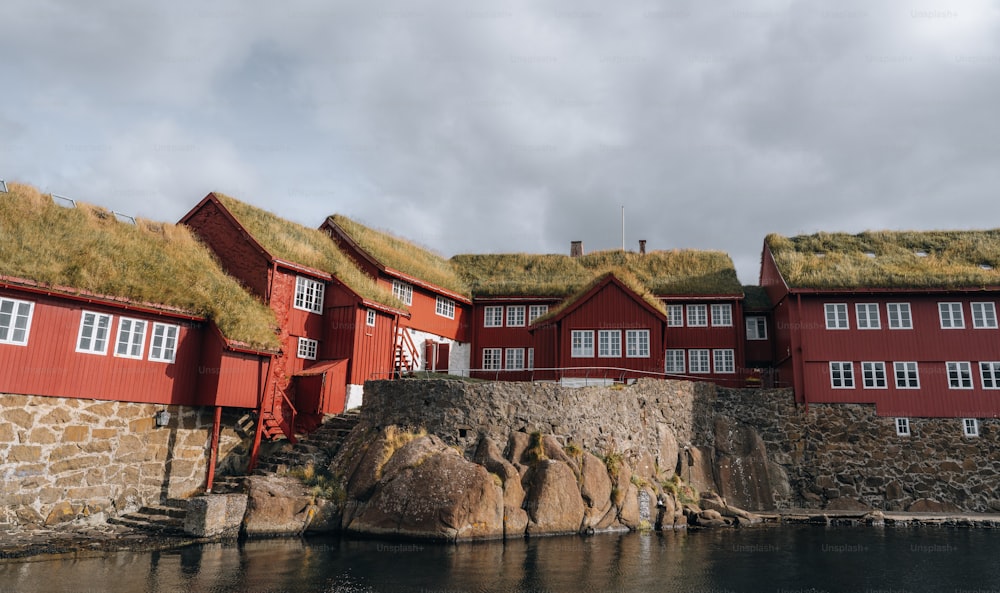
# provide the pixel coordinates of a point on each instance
(889, 259)
(86, 250)
(625, 277)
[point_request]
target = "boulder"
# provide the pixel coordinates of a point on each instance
(277, 505)
(628, 514)
(713, 502)
(742, 470)
(708, 518)
(364, 469)
(696, 468)
(517, 444)
(926, 505)
(215, 515)
(666, 456)
(553, 499)
(595, 485)
(553, 450)
(668, 506)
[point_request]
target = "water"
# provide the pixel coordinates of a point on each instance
(789, 559)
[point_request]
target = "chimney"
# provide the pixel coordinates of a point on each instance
(642, 247)
(575, 248)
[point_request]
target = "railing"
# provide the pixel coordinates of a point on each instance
(405, 345)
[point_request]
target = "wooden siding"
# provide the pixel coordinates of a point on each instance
(228, 378)
(424, 317)
(505, 337)
(239, 257)
(374, 347)
(709, 337)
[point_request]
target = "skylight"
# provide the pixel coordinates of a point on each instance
(63, 201)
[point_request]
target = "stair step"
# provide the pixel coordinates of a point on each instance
(173, 512)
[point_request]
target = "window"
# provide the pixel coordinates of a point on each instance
(698, 359)
(536, 311)
(515, 316)
(722, 315)
(951, 315)
(15, 321)
(307, 348)
(907, 376)
(899, 316)
(697, 315)
(493, 316)
(445, 307)
(959, 375)
(756, 328)
(836, 316)
(903, 427)
(94, 330)
(724, 361)
(582, 343)
(370, 318)
(868, 317)
(675, 315)
(491, 359)
(984, 316)
(402, 291)
(842, 375)
(131, 337)
(873, 375)
(990, 373)
(515, 359)
(675, 361)
(531, 359)
(609, 343)
(309, 295)
(970, 427)
(163, 346)
(637, 343)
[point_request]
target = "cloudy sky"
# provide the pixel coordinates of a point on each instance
(516, 126)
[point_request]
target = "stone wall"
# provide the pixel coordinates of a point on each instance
(63, 459)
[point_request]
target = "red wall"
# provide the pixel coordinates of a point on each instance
(511, 337)
(239, 257)
(711, 337)
(373, 347)
(227, 378)
(423, 314)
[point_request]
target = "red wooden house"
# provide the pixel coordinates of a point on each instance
(904, 320)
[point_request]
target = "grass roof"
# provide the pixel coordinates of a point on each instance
(673, 272)
(522, 274)
(755, 298)
(402, 255)
(889, 259)
(626, 278)
(86, 249)
(298, 244)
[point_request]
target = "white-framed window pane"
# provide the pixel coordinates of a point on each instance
(903, 427)
(907, 376)
(536, 311)
(984, 316)
(873, 375)
(637, 343)
(402, 291)
(609, 343)
(515, 359)
(724, 361)
(899, 316)
(307, 348)
(868, 316)
(493, 316)
(370, 318)
(756, 328)
(836, 316)
(675, 315)
(531, 359)
(951, 315)
(722, 315)
(970, 427)
(989, 372)
(491, 359)
(698, 361)
(15, 321)
(94, 331)
(842, 375)
(515, 316)
(675, 361)
(163, 345)
(582, 345)
(131, 338)
(445, 307)
(959, 375)
(697, 315)
(309, 295)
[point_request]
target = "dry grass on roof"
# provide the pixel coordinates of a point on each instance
(298, 244)
(85, 249)
(402, 255)
(673, 272)
(521, 274)
(889, 259)
(626, 278)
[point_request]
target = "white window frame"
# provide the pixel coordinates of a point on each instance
(11, 311)
(609, 343)
(370, 317)
(756, 327)
(951, 315)
(903, 427)
(492, 359)
(842, 371)
(970, 427)
(536, 311)
(582, 343)
(722, 315)
(530, 364)
(307, 348)
(402, 291)
(493, 316)
(444, 307)
(836, 316)
(873, 375)
(868, 316)
(134, 338)
(93, 338)
(309, 294)
(984, 315)
(675, 315)
(902, 372)
(959, 374)
(670, 364)
(698, 361)
(163, 342)
(514, 359)
(637, 343)
(697, 315)
(724, 361)
(515, 315)
(900, 316)
(989, 374)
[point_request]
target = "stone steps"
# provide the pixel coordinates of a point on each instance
(164, 519)
(317, 449)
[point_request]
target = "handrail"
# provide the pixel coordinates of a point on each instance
(405, 343)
